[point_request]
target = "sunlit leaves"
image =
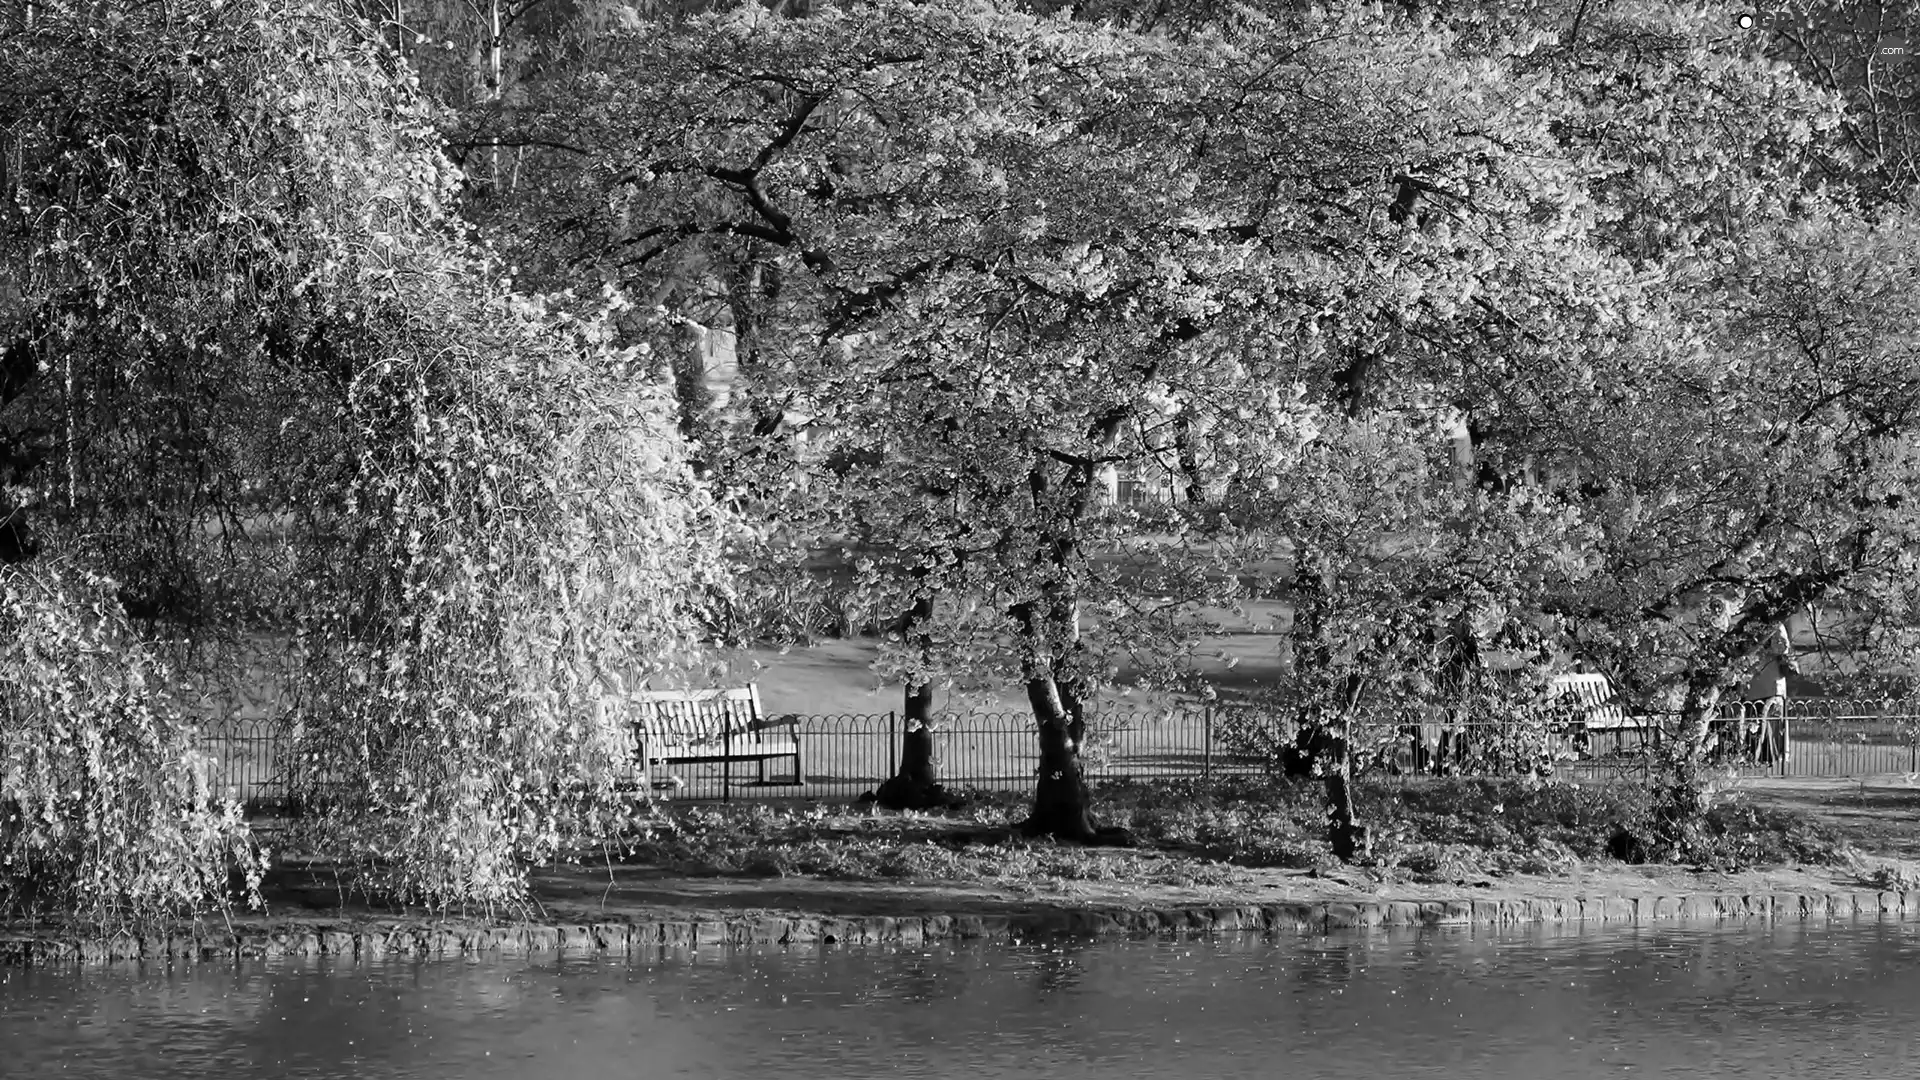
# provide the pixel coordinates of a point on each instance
(105, 812)
(292, 400)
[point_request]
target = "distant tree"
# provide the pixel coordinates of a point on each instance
(1722, 410)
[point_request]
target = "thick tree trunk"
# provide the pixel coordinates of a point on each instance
(1350, 839)
(915, 785)
(1050, 628)
(690, 387)
(919, 753)
(1331, 747)
(1681, 797)
(1062, 806)
(1196, 488)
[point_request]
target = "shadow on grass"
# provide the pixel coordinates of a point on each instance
(1878, 820)
(572, 889)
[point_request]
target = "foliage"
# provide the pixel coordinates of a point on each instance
(1711, 430)
(1436, 827)
(1834, 44)
(105, 813)
(782, 595)
(1736, 834)
(1780, 476)
(506, 548)
(167, 239)
(1405, 586)
(983, 258)
(1589, 820)
(992, 348)
(268, 358)
(512, 555)
(488, 69)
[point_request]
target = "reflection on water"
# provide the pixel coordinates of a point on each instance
(1748, 1001)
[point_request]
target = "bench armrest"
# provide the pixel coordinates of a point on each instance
(790, 721)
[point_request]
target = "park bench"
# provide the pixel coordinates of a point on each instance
(679, 727)
(1590, 721)
(1600, 714)
(1593, 695)
(1744, 729)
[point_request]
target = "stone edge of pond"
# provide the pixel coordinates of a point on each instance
(421, 939)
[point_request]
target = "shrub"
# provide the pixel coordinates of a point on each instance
(105, 812)
(1429, 862)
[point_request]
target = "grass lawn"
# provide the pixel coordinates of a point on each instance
(834, 676)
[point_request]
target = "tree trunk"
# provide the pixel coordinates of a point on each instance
(1062, 806)
(915, 785)
(1682, 797)
(690, 388)
(1350, 839)
(1189, 459)
(1051, 629)
(1330, 746)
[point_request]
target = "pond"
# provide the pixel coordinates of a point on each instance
(1745, 1001)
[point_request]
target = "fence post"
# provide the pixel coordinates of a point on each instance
(1786, 739)
(1206, 760)
(893, 744)
(726, 759)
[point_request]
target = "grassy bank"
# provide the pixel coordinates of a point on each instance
(1427, 831)
(1218, 858)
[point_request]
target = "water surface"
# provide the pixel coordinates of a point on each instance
(1743, 1001)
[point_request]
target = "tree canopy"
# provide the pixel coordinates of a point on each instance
(264, 389)
(1568, 332)
(990, 254)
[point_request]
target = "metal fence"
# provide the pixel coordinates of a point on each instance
(843, 756)
(1832, 737)
(840, 756)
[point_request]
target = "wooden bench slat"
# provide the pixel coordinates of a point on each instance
(743, 752)
(1595, 696)
(714, 724)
